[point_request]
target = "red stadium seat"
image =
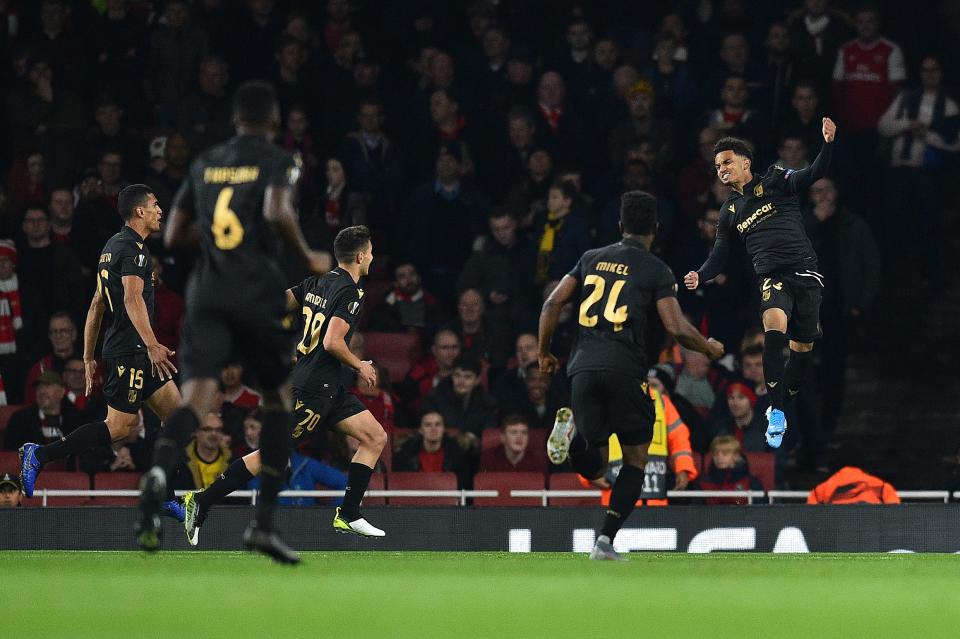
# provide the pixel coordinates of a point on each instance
(570, 481)
(396, 351)
(60, 481)
(489, 439)
(6, 412)
(423, 481)
(378, 481)
(9, 462)
(504, 483)
(762, 466)
(115, 481)
(698, 461)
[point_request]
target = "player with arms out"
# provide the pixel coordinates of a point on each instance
(765, 211)
(236, 201)
(139, 370)
(330, 305)
(619, 285)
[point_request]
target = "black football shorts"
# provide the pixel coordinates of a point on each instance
(312, 410)
(129, 382)
(797, 294)
(606, 402)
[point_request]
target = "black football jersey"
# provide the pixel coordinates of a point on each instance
(124, 254)
(766, 217)
(619, 285)
(321, 297)
(239, 252)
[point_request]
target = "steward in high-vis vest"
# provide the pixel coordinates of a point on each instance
(669, 454)
(850, 485)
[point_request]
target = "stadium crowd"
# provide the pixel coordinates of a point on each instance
(486, 145)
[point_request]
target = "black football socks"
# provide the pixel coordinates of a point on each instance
(274, 452)
(773, 365)
(358, 478)
(87, 436)
(623, 499)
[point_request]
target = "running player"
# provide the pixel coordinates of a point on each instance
(330, 305)
(765, 211)
(619, 284)
(236, 200)
(139, 370)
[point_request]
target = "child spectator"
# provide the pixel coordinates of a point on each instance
(728, 470)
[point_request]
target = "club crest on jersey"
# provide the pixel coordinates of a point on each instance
(353, 307)
(140, 260)
(132, 397)
(758, 190)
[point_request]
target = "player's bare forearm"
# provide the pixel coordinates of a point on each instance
(549, 317)
(683, 331)
(339, 349)
(550, 312)
(137, 312)
(689, 337)
(91, 327)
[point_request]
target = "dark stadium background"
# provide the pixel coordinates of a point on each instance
(902, 402)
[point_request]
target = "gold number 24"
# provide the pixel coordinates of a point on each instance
(611, 312)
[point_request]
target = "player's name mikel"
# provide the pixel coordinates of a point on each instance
(612, 267)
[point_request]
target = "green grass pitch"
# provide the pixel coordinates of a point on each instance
(207, 595)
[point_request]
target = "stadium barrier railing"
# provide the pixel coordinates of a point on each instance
(543, 495)
(671, 494)
(909, 495)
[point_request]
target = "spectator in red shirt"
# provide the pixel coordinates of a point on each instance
(728, 470)
(431, 450)
(866, 74)
(47, 419)
(235, 391)
(438, 366)
(63, 346)
(513, 453)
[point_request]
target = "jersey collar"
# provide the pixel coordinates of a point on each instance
(629, 241)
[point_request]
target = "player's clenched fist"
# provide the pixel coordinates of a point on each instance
(548, 363)
(691, 280)
(829, 130)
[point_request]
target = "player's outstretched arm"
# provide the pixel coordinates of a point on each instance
(280, 213)
(136, 308)
(801, 180)
(91, 333)
(549, 316)
(683, 331)
(717, 258)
